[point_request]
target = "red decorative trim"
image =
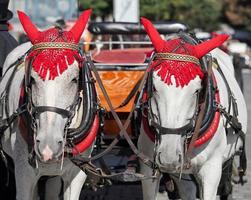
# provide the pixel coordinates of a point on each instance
(86, 143)
(209, 133)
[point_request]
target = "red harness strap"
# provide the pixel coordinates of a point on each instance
(88, 141)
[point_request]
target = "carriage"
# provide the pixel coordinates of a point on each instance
(121, 65)
(121, 62)
(82, 113)
(120, 51)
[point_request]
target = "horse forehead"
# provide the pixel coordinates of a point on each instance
(173, 88)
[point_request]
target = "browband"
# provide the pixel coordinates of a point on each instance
(55, 45)
(177, 57)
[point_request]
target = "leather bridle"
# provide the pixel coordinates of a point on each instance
(34, 111)
(189, 131)
(154, 119)
(86, 96)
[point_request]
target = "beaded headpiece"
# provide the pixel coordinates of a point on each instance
(179, 58)
(53, 49)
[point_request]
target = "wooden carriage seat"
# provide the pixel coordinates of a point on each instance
(119, 81)
(120, 56)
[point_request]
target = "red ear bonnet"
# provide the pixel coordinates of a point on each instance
(37, 36)
(183, 71)
(196, 50)
(154, 35)
(49, 63)
(29, 27)
(207, 46)
(80, 24)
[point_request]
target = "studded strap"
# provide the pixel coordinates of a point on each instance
(55, 45)
(177, 57)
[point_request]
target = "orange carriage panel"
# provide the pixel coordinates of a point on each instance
(118, 85)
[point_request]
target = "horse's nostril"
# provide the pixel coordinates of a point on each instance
(37, 141)
(180, 158)
(159, 158)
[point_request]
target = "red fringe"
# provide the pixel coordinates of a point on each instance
(183, 72)
(54, 61)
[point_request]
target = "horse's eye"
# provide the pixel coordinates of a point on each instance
(74, 80)
(32, 81)
(197, 91)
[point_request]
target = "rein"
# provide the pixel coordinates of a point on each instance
(199, 119)
(4, 99)
(97, 175)
(123, 132)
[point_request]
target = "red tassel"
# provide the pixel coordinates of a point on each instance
(53, 61)
(183, 72)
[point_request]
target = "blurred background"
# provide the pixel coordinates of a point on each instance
(204, 18)
(205, 15)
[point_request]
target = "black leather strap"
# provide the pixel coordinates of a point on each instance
(131, 94)
(179, 131)
(41, 109)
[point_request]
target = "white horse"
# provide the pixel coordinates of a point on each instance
(50, 88)
(176, 82)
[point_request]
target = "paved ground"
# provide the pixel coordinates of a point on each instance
(134, 192)
(244, 192)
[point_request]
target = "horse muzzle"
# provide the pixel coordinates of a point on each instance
(169, 165)
(47, 153)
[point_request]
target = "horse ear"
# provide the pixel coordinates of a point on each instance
(205, 47)
(30, 29)
(80, 24)
(154, 35)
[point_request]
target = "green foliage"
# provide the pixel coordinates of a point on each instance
(247, 19)
(238, 13)
(203, 14)
(100, 7)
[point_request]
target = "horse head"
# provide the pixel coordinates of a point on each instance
(176, 82)
(52, 82)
